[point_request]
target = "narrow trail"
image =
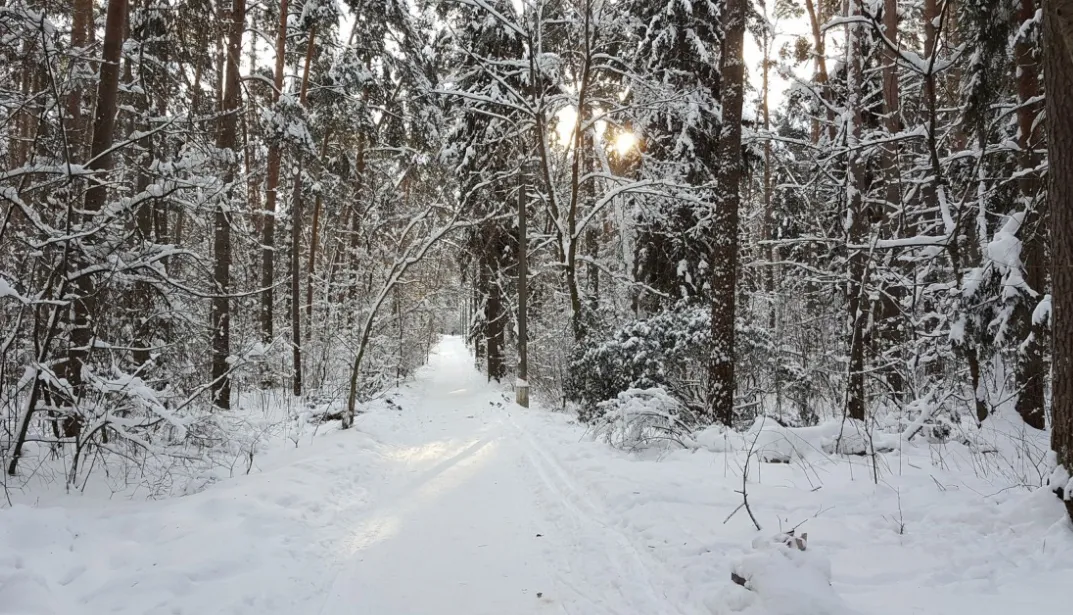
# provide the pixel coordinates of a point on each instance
(482, 519)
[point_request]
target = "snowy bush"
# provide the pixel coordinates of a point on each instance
(642, 418)
(669, 351)
(666, 351)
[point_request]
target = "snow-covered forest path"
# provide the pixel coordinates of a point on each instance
(448, 499)
(480, 518)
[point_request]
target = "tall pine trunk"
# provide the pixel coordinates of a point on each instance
(494, 314)
(889, 308)
(227, 141)
(1060, 12)
(81, 26)
(769, 281)
(296, 237)
(275, 160)
(724, 240)
(855, 226)
(1058, 80)
(314, 239)
(1030, 360)
(522, 385)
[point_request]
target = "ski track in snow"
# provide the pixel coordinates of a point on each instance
(494, 526)
(462, 503)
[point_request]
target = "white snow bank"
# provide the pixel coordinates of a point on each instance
(260, 543)
(1016, 452)
(946, 529)
(781, 579)
(774, 443)
(27, 593)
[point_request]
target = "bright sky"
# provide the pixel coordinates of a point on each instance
(786, 31)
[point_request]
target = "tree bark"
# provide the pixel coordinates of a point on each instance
(522, 385)
(856, 226)
(275, 160)
(355, 223)
(314, 239)
(1061, 14)
(226, 140)
(1030, 360)
(81, 23)
(889, 308)
(724, 243)
(296, 237)
(819, 38)
(494, 316)
(769, 277)
(1058, 80)
(931, 31)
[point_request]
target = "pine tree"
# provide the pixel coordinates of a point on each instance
(677, 60)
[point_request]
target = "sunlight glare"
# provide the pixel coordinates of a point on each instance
(564, 126)
(456, 465)
(625, 142)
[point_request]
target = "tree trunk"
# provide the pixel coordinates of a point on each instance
(296, 281)
(314, 240)
(931, 31)
(296, 237)
(226, 140)
(724, 242)
(856, 226)
(493, 307)
(522, 385)
(81, 24)
(819, 41)
(275, 159)
(355, 224)
(1030, 359)
(1058, 80)
(890, 94)
(1061, 14)
(85, 305)
(889, 309)
(769, 277)
(140, 299)
(479, 332)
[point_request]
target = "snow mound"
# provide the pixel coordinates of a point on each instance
(774, 443)
(781, 577)
(24, 590)
(27, 593)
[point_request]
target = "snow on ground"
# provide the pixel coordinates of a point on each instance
(453, 500)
